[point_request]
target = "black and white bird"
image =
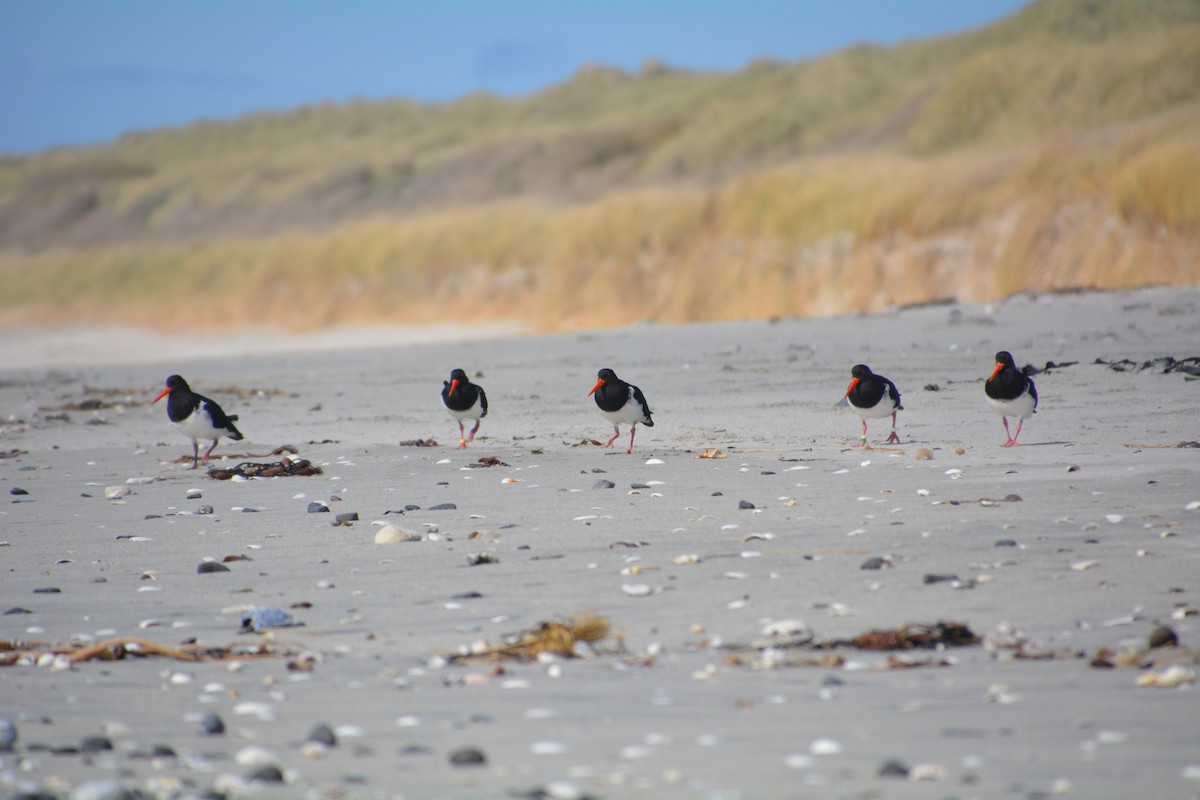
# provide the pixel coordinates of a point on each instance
(197, 417)
(872, 396)
(620, 402)
(464, 400)
(1010, 393)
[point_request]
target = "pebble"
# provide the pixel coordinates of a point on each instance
(348, 516)
(211, 566)
(1172, 676)
(893, 769)
(266, 774)
(17, 490)
(932, 578)
(603, 484)
(467, 757)
(261, 618)
(1006, 543)
(317, 507)
(875, 562)
(204, 510)
(443, 507)
(8, 735)
(212, 724)
(194, 494)
(116, 492)
(48, 590)
(95, 744)
(1163, 636)
(825, 747)
(745, 505)
(323, 734)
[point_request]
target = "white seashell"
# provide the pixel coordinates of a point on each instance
(547, 748)
(689, 558)
(139, 481)
(391, 534)
(655, 461)
(1113, 518)
(799, 761)
(114, 492)
(255, 756)
(636, 589)
(825, 747)
(408, 721)
(1080, 566)
(1192, 506)
(792, 629)
(926, 772)
(264, 711)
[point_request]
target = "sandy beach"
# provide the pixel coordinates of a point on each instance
(728, 583)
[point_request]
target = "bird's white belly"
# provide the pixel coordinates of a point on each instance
(198, 426)
(1020, 408)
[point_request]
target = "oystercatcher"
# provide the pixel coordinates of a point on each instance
(872, 397)
(620, 402)
(464, 400)
(197, 417)
(1010, 393)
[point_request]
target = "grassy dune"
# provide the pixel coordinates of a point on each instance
(1057, 148)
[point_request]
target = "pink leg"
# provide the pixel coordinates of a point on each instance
(462, 441)
(632, 432)
(1020, 422)
(862, 440)
(474, 431)
(196, 454)
(616, 433)
(1010, 441)
(894, 437)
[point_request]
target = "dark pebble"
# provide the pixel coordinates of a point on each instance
(411, 507)
(443, 507)
(17, 490)
(249, 510)
(1162, 636)
(604, 484)
(893, 769)
(23, 500)
(717, 494)
(323, 734)
(17, 610)
(153, 516)
(95, 744)
(211, 566)
(468, 757)
(766, 472)
(931, 578)
(204, 510)
(639, 486)
(48, 590)
(932, 387)
(466, 596)
(212, 724)
(832, 680)
(745, 504)
(266, 774)
(348, 516)
(194, 495)
(8, 735)
(318, 508)
(875, 562)
(1006, 543)
(163, 751)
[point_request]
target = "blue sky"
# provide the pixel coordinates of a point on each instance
(85, 71)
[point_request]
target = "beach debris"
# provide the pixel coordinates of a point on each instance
(983, 501)
(712, 452)
(287, 467)
(259, 619)
(116, 492)
(8, 735)
(15, 653)
(475, 559)
(430, 442)
(487, 461)
(916, 636)
(211, 566)
(924, 454)
(894, 768)
(1162, 636)
(603, 484)
(1188, 365)
(12, 453)
(567, 638)
(1169, 678)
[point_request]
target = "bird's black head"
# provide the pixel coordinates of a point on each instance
(176, 382)
(606, 374)
(1004, 357)
(860, 371)
(459, 375)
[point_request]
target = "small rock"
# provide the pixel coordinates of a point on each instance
(211, 566)
(347, 516)
(639, 486)
(1163, 636)
(48, 590)
(261, 618)
(745, 505)
(1006, 543)
(195, 494)
(204, 510)
(443, 507)
(17, 610)
(95, 744)
(603, 484)
(893, 769)
(318, 508)
(931, 578)
(8, 735)
(323, 734)
(475, 559)
(468, 757)
(266, 774)
(875, 562)
(212, 724)
(115, 492)
(17, 490)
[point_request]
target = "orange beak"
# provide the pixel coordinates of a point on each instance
(453, 386)
(161, 395)
(996, 371)
(599, 383)
(850, 388)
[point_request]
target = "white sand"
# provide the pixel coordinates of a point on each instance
(1104, 553)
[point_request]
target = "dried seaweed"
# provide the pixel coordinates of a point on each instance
(431, 442)
(15, 652)
(288, 467)
(554, 637)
